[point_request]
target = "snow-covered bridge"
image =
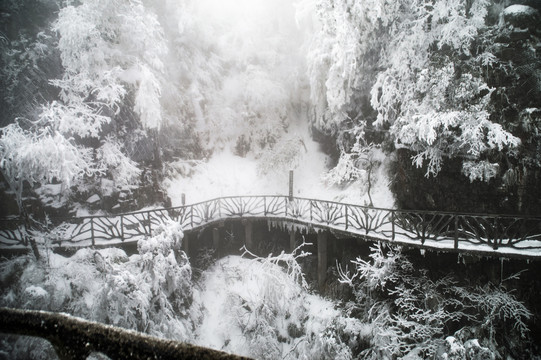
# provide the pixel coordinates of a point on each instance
(483, 234)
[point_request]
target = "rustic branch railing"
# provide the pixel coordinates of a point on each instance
(424, 228)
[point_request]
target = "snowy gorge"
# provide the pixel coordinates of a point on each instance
(110, 106)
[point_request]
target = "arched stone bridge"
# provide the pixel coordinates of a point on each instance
(483, 234)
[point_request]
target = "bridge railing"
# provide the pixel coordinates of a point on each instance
(448, 230)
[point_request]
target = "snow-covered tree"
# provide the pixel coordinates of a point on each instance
(112, 57)
(413, 311)
(41, 156)
(435, 105)
(436, 75)
(28, 57)
(262, 82)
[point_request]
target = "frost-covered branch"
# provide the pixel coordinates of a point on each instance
(76, 338)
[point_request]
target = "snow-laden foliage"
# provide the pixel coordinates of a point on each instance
(124, 171)
(432, 70)
(40, 156)
(343, 56)
(345, 171)
(433, 107)
(412, 311)
(261, 83)
(149, 292)
(360, 166)
(26, 62)
(104, 45)
(106, 49)
(261, 308)
(284, 156)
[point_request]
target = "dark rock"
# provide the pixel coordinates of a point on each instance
(452, 191)
(519, 35)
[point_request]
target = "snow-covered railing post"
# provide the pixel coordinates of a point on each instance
(346, 215)
(290, 185)
(149, 224)
(393, 218)
(92, 231)
(122, 228)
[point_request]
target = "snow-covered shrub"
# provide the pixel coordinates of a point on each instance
(411, 311)
(474, 351)
(282, 156)
(409, 324)
(494, 313)
(152, 292)
(482, 170)
(453, 349)
(149, 292)
(378, 274)
(341, 338)
(362, 165)
(264, 319)
(344, 172)
(261, 308)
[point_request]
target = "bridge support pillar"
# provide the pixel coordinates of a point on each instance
(292, 240)
(321, 259)
(248, 232)
(186, 244)
(216, 239)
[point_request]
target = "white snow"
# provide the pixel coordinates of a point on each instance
(36, 291)
(519, 9)
(222, 278)
(234, 284)
(93, 199)
(226, 174)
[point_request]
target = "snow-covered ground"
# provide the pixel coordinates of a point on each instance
(226, 174)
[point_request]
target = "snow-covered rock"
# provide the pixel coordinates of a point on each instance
(93, 199)
(474, 351)
(521, 16)
(452, 349)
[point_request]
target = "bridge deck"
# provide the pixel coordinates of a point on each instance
(483, 234)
